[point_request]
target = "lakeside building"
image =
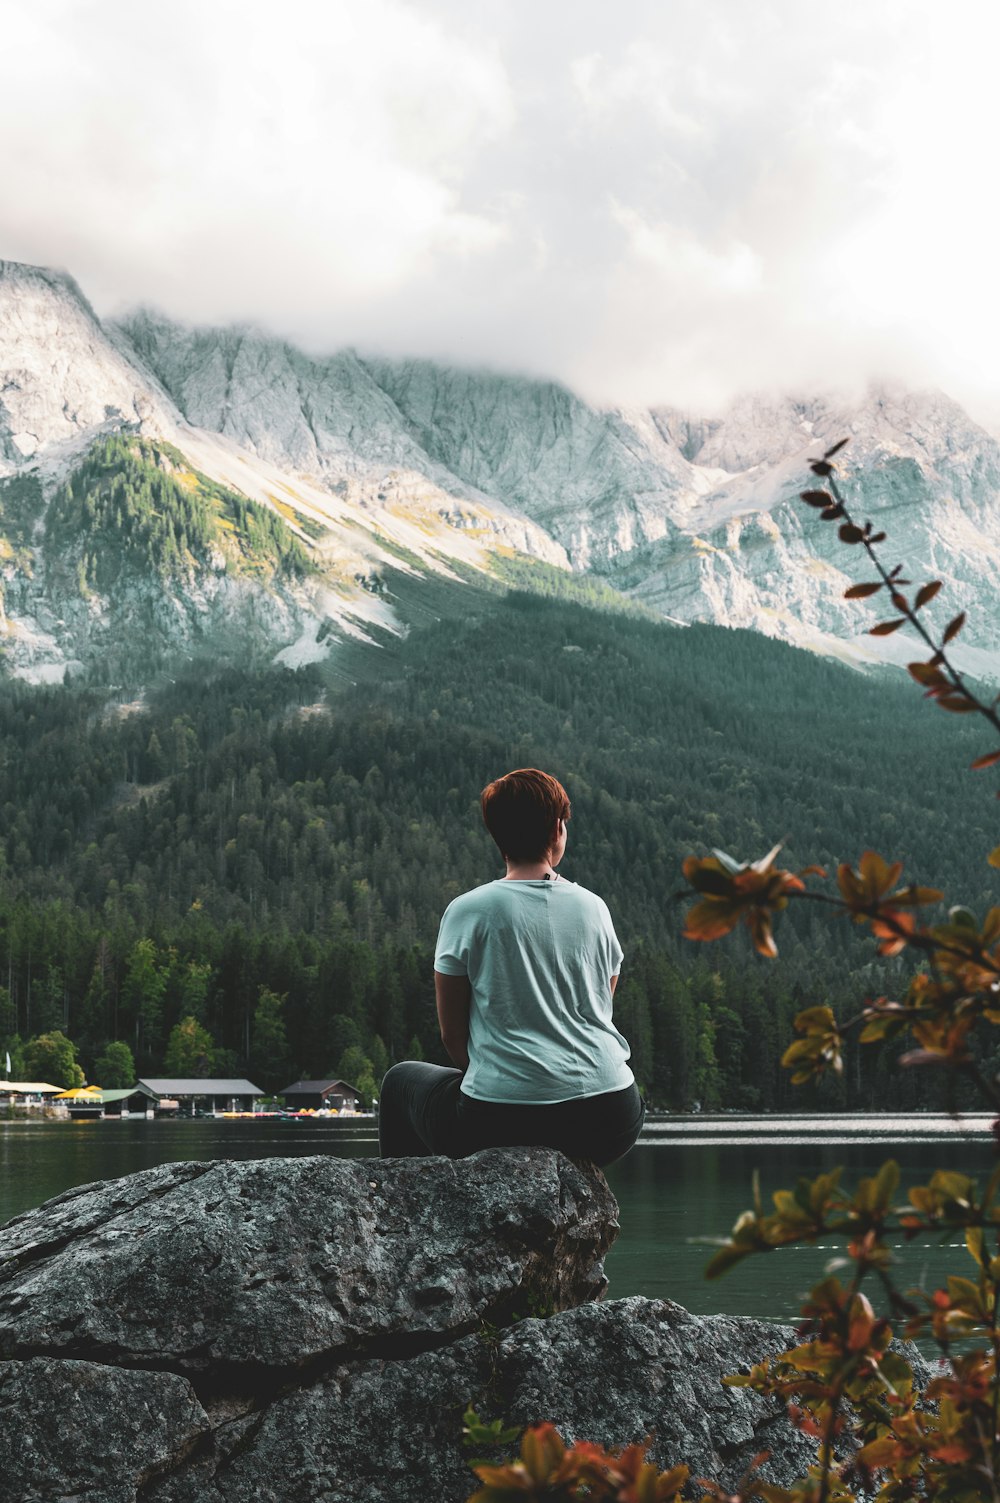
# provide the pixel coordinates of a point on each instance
(320, 1095)
(92, 1102)
(28, 1092)
(208, 1096)
(135, 1099)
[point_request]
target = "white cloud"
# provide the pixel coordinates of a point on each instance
(229, 158)
(685, 264)
(644, 79)
(653, 203)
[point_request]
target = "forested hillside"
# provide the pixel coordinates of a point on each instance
(270, 857)
(134, 506)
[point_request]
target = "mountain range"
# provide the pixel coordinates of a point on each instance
(170, 490)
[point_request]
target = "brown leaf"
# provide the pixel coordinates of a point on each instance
(926, 673)
(836, 448)
(848, 533)
(877, 537)
(953, 628)
(759, 925)
(926, 593)
(816, 498)
(957, 704)
(986, 761)
(830, 513)
(861, 591)
(878, 873)
(900, 601)
(820, 467)
(884, 628)
(913, 896)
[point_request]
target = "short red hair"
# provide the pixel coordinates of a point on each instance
(521, 810)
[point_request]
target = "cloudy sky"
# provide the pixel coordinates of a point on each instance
(652, 200)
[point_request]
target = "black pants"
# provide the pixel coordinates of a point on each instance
(422, 1110)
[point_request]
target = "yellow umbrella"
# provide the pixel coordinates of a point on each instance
(90, 1090)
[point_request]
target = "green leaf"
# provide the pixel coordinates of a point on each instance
(992, 1185)
(897, 1372)
(727, 1257)
(816, 1018)
(948, 1184)
(886, 1182)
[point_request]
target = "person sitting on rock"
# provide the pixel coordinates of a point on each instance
(525, 971)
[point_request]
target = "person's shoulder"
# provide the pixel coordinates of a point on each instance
(476, 900)
(583, 896)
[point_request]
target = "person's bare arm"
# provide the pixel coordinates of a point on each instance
(614, 983)
(453, 997)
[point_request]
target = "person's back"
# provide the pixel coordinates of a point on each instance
(524, 974)
(539, 954)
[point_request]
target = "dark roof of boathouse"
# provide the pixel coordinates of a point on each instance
(317, 1088)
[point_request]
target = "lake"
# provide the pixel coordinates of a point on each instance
(686, 1178)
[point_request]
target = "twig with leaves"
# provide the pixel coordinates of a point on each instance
(944, 1444)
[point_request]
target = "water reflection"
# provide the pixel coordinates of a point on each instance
(674, 1192)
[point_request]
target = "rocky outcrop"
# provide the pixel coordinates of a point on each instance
(388, 1431)
(314, 1328)
(698, 517)
(317, 441)
(418, 468)
(246, 1270)
(61, 377)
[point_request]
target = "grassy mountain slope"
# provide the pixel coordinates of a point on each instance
(136, 506)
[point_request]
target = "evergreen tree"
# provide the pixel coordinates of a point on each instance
(355, 1069)
(269, 1053)
(114, 1068)
(190, 1053)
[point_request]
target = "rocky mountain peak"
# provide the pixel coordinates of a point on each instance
(371, 461)
(61, 377)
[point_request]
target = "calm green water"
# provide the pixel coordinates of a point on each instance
(686, 1178)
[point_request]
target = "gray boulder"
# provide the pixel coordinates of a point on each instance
(390, 1431)
(314, 1328)
(81, 1430)
(279, 1263)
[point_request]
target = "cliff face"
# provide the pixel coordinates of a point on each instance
(377, 464)
(696, 517)
(749, 553)
(318, 445)
(61, 377)
(601, 483)
(316, 1327)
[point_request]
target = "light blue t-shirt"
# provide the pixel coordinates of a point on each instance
(539, 956)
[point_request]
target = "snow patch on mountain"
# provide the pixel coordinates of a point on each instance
(405, 464)
(329, 424)
(326, 456)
